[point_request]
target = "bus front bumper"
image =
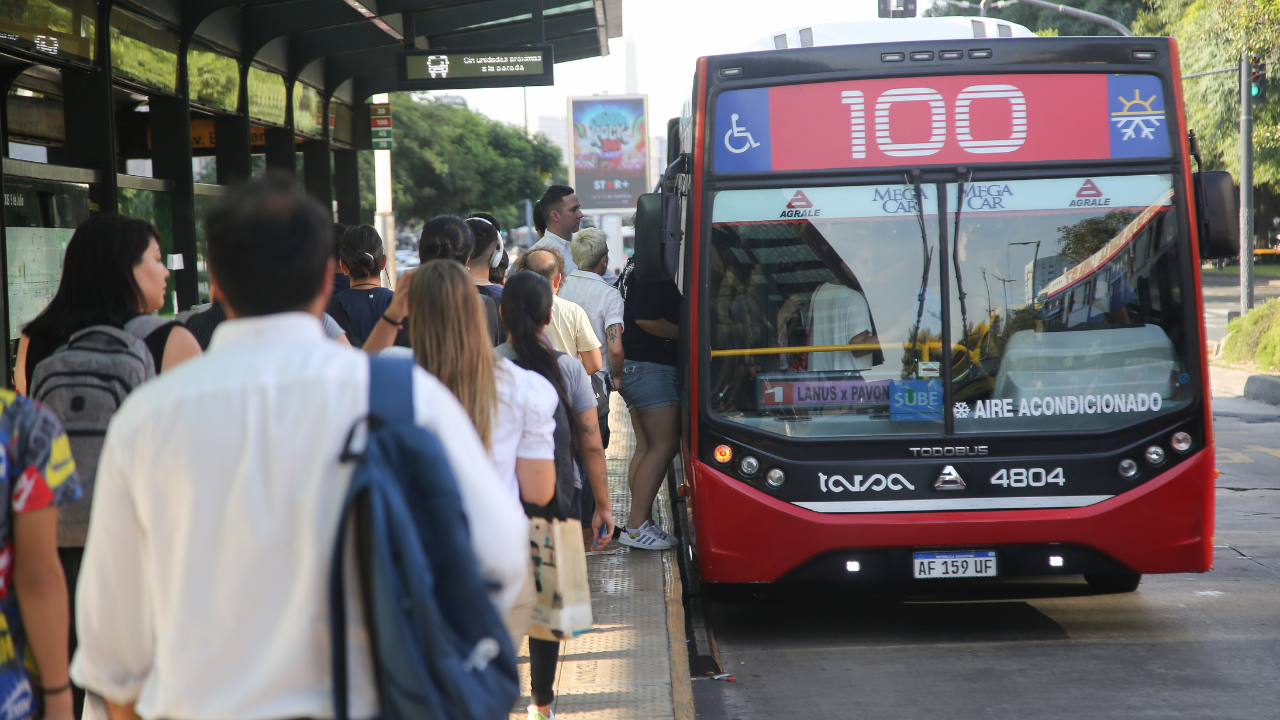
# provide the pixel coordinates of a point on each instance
(742, 535)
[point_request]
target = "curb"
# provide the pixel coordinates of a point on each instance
(681, 684)
(1263, 388)
(1242, 383)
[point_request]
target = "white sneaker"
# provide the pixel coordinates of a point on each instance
(658, 529)
(647, 537)
(535, 715)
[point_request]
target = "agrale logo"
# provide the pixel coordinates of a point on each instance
(835, 483)
(1090, 195)
(799, 206)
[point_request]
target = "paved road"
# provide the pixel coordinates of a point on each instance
(1182, 646)
(1222, 295)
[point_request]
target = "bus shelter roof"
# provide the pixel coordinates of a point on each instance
(359, 40)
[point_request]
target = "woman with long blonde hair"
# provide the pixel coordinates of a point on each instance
(449, 337)
(513, 409)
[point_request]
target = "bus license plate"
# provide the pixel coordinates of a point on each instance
(955, 564)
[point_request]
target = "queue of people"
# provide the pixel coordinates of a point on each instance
(192, 518)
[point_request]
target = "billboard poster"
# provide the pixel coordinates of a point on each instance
(610, 151)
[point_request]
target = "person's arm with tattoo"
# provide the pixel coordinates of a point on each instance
(613, 341)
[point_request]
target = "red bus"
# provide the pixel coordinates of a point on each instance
(942, 310)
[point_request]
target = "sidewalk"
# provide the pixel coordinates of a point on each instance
(630, 664)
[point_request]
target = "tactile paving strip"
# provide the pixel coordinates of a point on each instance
(621, 669)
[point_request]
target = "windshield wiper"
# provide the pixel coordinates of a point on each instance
(914, 180)
(965, 176)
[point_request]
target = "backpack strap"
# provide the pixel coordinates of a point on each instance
(391, 388)
(143, 325)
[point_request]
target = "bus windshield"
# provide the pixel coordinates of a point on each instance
(1064, 301)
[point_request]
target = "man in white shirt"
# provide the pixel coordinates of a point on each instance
(570, 330)
(560, 215)
(560, 210)
(839, 315)
(836, 314)
(602, 302)
(203, 592)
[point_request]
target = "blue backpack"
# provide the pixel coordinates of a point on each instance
(440, 647)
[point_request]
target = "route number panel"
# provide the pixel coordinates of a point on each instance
(954, 564)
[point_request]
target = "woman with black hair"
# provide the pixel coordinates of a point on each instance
(447, 237)
(444, 237)
(357, 309)
(487, 253)
(526, 309)
(340, 280)
(498, 275)
(113, 271)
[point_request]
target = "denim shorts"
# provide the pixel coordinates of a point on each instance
(648, 385)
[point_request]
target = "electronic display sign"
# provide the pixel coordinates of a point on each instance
(443, 69)
(941, 120)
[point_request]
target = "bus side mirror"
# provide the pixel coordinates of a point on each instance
(1219, 214)
(657, 251)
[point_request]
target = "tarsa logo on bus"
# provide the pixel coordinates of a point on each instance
(938, 120)
(876, 482)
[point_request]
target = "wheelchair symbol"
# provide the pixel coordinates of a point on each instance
(739, 132)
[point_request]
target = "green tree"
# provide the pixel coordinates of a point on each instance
(1082, 239)
(1050, 22)
(448, 158)
(1211, 34)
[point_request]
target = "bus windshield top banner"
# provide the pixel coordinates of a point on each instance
(960, 120)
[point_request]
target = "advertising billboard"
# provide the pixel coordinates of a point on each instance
(609, 167)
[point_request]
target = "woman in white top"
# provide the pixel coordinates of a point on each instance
(512, 409)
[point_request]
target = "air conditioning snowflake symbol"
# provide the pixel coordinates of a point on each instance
(961, 410)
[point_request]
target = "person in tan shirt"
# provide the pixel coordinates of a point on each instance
(570, 330)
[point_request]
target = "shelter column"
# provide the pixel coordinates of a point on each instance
(233, 150)
(171, 160)
(282, 144)
(89, 111)
(384, 216)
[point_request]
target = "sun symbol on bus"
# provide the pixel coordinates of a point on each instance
(1137, 123)
(960, 410)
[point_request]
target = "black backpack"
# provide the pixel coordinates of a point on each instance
(562, 506)
(84, 382)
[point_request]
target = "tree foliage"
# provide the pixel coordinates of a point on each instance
(1080, 240)
(450, 159)
(1043, 21)
(1211, 34)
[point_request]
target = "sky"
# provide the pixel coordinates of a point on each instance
(670, 35)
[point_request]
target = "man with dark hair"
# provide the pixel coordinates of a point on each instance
(205, 580)
(539, 224)
(561, 215)
(340, 280)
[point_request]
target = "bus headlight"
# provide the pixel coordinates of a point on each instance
(1154, 455)
(723, 454)
(749, 466)
(1180, 441)
(1128, 468)
(775, 477)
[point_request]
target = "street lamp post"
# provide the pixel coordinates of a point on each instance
(1246, 186)
(981, 7)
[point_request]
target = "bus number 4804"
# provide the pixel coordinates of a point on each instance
(1022, 477)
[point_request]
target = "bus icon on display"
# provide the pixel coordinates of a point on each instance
(438, 65)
